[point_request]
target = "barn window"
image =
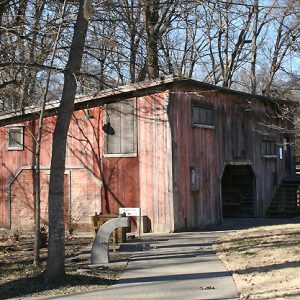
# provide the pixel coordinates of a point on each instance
(15, 138)
(121, 136)
(269, 148)
(202, 115)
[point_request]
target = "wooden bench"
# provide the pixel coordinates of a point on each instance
(117, 236)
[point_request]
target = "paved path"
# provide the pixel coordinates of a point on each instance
(176, 266)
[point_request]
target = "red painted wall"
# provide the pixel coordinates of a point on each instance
(157, 179)
(210, 149)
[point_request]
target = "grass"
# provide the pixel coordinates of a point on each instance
(20, 278)
(264, 261)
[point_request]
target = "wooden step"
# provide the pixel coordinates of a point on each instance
(286, 199)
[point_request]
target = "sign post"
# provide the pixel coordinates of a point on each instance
(132, 212)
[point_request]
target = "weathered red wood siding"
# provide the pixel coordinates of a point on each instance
(82, 185)
(122, 179)
(211, 149)
(157, 179)
(11, 161)
(155, 161)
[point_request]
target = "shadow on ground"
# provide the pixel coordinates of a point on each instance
(33, 285)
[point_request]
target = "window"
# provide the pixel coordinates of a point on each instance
(202, 115)
(15, 138)
(121, 138)
(269, 148)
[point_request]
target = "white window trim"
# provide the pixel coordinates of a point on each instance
(269, 156)
(203, 126)
(120, 155)
(15, 148)
(132, 154)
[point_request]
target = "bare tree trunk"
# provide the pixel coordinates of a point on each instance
(37, 174)
(152, 17)
(254, 48)
(133, 17)
(56, 252)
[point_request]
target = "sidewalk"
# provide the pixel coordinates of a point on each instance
(175, 266)
(178, 266)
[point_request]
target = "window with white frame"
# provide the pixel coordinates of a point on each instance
(121, 137)
(202, 114)
(15, 138)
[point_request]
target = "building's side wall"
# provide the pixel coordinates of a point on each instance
(235, 139)
(157, 179)
(11, 161)
(155, 161)
(193, 148)
(95, 181)
(82, 183)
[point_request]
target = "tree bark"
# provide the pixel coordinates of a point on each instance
(254, 48)
(38, 143)
(152, 18)
(3, 7)
(56, 252)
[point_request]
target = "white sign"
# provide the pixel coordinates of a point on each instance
(130, 211)
(280, 153)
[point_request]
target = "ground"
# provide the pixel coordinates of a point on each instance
(19, 278)
(264, 261)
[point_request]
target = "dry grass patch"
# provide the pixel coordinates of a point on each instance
(264, 261)
(19, 278)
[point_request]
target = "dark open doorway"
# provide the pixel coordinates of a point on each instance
(238, 191)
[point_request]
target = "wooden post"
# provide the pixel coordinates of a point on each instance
(114, 241)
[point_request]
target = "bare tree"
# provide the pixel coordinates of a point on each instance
(287, 30)
(56, 251)
(37, 148)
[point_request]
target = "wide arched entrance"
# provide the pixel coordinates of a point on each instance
(238, 191)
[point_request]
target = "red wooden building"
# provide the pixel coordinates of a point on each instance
(188, 153)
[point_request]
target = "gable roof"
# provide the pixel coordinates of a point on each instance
(129, 91)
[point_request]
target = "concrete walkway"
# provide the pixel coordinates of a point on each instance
(175, 266)
(178, 266)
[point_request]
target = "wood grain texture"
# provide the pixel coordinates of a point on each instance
(157, 178)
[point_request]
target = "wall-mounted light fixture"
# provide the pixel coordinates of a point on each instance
(248, 106)
(107, 128)
(88, 115)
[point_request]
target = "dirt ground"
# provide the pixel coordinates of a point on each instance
(19, 278)
(264, 261)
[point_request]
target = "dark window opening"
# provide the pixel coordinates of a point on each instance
(202, 115)
(269, 148)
